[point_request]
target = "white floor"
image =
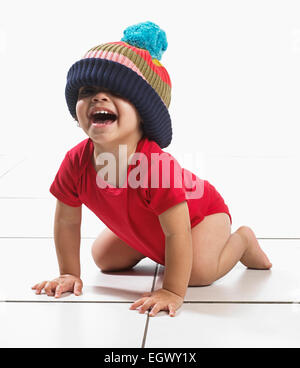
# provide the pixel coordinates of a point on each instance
(246, 308)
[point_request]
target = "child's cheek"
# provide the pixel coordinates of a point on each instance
(79, 109)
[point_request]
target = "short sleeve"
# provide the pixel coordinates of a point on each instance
(64, 185)
(165, 186)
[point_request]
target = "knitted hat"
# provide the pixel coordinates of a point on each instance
(132, 69)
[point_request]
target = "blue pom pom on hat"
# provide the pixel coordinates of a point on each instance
(149, 36)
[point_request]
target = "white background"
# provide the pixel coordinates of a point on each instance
(234, 67)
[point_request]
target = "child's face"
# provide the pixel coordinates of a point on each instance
(128, 119)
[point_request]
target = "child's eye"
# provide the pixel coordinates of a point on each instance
(90, 90)
(116, 94)
(86, 91)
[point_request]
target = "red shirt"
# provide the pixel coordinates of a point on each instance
(131, 213)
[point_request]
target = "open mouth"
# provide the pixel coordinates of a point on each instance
(103, 118)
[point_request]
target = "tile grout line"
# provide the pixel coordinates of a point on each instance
(68, 301)
(91, 237)
(23, 197)
(241, 302)
(147, 320)
(12, 168)
(129, 302)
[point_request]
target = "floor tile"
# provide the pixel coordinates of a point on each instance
(26, 262)
(226, 326)
(32, 177)
(259, 191)
(281, 283)
(8, 163)
(35, 218)
(70, 325)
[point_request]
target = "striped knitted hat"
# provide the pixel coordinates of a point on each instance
(132, 69)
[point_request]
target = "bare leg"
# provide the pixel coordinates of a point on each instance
(242, 246)
(216, 251)
(110, 253)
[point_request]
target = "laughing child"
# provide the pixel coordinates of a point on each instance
(119, 94)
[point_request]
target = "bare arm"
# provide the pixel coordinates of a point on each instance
(67, 224)
(176, 226)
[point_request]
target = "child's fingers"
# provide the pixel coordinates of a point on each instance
(77, 288)
(146, 305)
(172, 310)
(39, 287)
(63, 287)
(155, 310)
(138, 303)
(59, 290)
(59, 286)
(50, 287)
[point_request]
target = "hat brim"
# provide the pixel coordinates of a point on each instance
(124, 81)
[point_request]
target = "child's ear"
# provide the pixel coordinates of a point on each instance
(75, 119)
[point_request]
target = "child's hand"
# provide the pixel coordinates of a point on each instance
(161, 299)
(62, 284)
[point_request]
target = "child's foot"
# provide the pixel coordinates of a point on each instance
(254, 256)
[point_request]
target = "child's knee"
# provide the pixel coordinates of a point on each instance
(202, 277)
